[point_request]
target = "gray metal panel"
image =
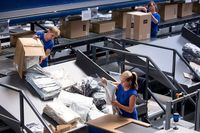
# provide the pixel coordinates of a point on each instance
(134, 128)
(7, 67)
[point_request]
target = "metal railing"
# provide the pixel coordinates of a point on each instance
(148, 62)
(175, 53)
(23, 97)
(170, 104)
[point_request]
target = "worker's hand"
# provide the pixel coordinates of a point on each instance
(141, 8)
(35, 37)
(42, 58)
(104, 81)
(115, 103)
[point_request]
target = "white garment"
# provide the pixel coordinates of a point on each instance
(68, 98)
(60, 113)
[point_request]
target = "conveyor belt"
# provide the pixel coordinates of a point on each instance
(163, 58)
(32, 14)
(177, 21)
(9, 99)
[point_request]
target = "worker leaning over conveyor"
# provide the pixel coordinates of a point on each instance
(48, 42)
(155, 17)
(126, 94)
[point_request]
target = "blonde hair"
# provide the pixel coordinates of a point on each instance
(54, 30)
(131, 76)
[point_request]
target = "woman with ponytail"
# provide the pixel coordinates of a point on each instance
(126, 94)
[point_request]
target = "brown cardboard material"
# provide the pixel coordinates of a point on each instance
(27, 50)
(15, 36)
(120, 17)
(74, 28)
(168, 11)
(138, 25)
(196, 7)
(61, 128)
(112, 122)
(184, 9)
(103, 26)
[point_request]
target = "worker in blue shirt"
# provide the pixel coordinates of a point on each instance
(126, 94)
(48, 42)
(155, 17)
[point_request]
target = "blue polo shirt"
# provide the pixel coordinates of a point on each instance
(154, 27)
(47, 45)
(123, 98)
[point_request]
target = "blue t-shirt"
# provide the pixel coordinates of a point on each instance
(154, 27)
(47, 45)
(123, 98)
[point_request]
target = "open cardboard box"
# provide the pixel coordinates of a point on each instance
(27, 53)
(112, 122)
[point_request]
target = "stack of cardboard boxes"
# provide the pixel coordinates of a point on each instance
(27, 53)
(138, 25)
(74, 27)
(102, 26)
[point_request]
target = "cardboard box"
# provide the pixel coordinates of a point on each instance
(138, 25)
(168, 11)
(103, 26)
(15, 36)
(74, 28)
(27, 53)
(120, 17)
(196, 7)
(184, 9)
(112, 123)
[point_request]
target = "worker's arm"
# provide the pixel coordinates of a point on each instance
(104, 82)
(130, 108)
(47, 53)
(141, 8)
(155, 20)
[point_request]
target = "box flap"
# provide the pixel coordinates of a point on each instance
(32, 47)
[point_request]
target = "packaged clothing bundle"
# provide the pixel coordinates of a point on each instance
(80, 104)
(60, 113)
(42, 82)
(90, 87)
(192, 54)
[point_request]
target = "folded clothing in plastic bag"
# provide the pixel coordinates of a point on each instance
(80, 104)
(46, 86)
(191, 49)
(60, 113)
(69, 98)
(195, 67)
(191, 58)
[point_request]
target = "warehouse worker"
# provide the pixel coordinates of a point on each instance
(48, 42)
(155, 17)
(126, 94)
